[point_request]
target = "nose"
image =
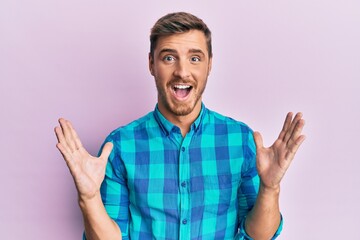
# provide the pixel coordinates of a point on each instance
(182, 69)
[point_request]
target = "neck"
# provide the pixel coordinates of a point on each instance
(183, 122)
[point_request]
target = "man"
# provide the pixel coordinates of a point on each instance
(182, 171)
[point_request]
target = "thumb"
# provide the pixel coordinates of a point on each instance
(105, 153)
(258, 140)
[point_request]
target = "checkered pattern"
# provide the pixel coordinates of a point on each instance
(159, 185)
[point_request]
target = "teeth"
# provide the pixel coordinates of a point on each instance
(182, 86)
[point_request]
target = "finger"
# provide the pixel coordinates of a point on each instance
(296, 132)
(294, 147)
(66, 155)
(286, 125)
(300, 140)
(66, 129)
(258, 140)
(60, 137)
(106, 150)
(290, 130)
(75, 136)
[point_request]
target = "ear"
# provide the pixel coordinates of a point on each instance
(151, 64)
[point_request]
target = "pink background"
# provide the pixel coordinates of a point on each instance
(87, 61)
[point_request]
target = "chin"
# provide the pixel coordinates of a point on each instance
(182, 109)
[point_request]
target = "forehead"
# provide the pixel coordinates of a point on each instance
(183, 42)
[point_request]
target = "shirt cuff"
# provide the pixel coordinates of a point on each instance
(242, 235)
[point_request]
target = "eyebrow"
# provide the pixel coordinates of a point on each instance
(167, 50)
(195, 50)
(170, 50)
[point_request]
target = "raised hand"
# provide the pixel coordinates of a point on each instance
(88, 172)
(273, 162)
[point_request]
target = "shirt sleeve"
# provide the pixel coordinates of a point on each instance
(249, 187)
(114, 191)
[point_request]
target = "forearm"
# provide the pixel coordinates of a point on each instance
(264, 219)
(98, 224)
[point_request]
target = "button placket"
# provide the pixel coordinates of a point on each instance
(184, 176)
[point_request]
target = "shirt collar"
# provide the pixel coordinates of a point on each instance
(167, 127)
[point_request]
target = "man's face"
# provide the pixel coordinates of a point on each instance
(180, 66)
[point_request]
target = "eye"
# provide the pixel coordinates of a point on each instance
(195, 59)
(169, 58)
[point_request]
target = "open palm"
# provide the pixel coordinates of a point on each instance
(88, 172)
(273, 162)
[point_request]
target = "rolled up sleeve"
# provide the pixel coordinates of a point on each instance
(114, 191)
(248, 189)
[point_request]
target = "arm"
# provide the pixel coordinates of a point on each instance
(98, 224)
(272, 163)
(264, 219)
(88, 172)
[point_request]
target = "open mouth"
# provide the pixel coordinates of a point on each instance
(181, 91)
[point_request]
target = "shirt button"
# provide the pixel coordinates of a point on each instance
(183, 184)
(184, 221)
(183, 149)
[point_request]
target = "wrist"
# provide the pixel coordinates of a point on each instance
(86, 202)
(273, 190)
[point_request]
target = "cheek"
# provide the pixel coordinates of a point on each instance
(160, 81)
(163, 72)
(201, 74)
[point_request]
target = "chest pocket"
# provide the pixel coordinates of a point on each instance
(219, 193)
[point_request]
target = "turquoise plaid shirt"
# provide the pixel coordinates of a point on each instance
(160, 185)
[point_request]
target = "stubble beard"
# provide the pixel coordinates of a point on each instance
(176, 108)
